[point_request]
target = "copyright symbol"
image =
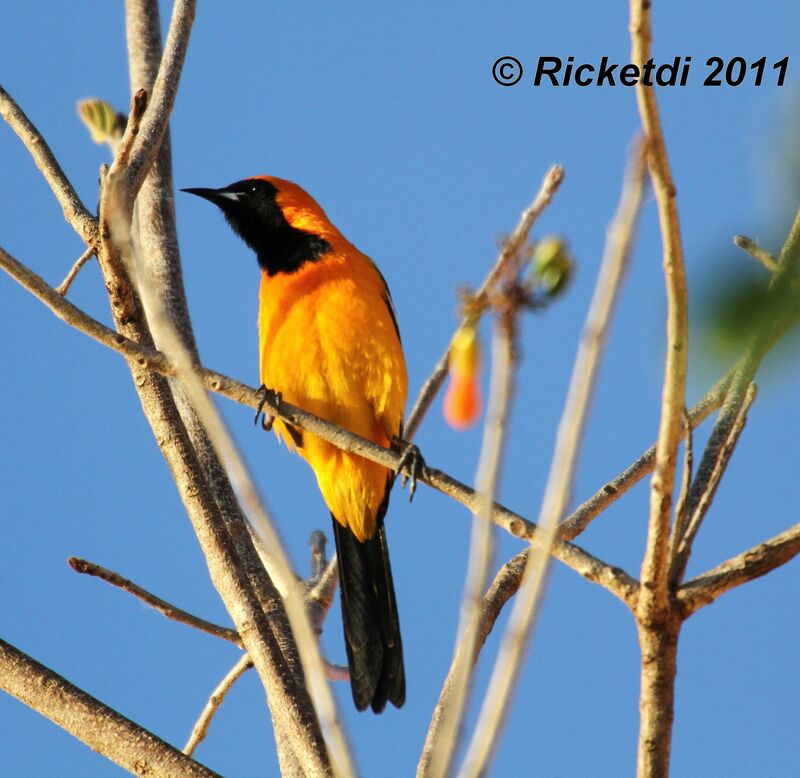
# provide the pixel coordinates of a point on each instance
(507, 71)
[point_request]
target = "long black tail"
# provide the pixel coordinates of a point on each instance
(371, 626)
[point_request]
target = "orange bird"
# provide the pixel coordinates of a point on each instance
(329, 343)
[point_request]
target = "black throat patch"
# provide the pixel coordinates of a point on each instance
(256, 217)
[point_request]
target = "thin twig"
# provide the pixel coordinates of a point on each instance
(747, 566)
(655, 565)
(739, 391)
(131, 131)
(712, 468)
(92, 722)
(563, 467)
(657, 627)
(443, 734)
(162, 606)
(64, 286)
(758, 253)
(585, 513)
(682, 506)
(505, 585)
(200, 729)
(155, 121)
(75, 212)
(510, 253)
(318, 592)
(571, 555)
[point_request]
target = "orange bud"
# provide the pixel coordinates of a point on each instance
(462, 402)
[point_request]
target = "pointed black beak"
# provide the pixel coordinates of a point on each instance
(219, 197)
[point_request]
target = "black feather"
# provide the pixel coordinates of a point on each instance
(369, 615)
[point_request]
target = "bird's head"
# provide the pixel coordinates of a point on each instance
(280, 221)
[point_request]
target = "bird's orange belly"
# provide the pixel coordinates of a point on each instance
(319, 353)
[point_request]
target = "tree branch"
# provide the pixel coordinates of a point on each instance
(657, 627)
(75, 211)
(758, 253)
(712, 468)
(747, 566)
(224, 537)
(588, 511)
(655, 567)
(505, 585)
(319, 588)
(86, 718)
(64, 286)
(447, 721)
(162, 606)
(156, 119)
(200, 729)
(562, 469)
(504, 267)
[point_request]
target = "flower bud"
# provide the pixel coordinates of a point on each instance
(462, 402)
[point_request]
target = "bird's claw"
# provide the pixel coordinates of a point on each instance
(410, 466)
(267, 395)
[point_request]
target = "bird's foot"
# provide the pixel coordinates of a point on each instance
(410, 466)
(266, 396)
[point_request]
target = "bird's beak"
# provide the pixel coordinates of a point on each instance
(216, 196)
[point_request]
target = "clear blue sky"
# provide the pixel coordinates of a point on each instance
(392, 120)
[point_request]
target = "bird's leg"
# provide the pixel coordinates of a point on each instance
(267, 395)
(410, 466)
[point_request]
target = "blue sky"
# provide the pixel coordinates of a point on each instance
(391, 119)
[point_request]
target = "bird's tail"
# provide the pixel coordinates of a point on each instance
(371, 625)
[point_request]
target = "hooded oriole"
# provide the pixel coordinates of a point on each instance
(329, 343)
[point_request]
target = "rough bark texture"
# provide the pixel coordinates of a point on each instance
(99, 727)
(659, 646)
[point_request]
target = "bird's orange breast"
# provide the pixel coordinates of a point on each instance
(328, 344)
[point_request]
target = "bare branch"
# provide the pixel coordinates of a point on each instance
(655, 566)
(740, 393)
(747, 566)
(64, 286)
(162, 606)
(682, 506)
(588, 511)
(89, 720)
(658, 653)
(752, 248)
(504, 267)
(249, 595)
(448, 719)
(320, 594)
(156, 119)
(274, 654)
(200, 730)
(505, 585)
(131, 131)
(562, 469)
(75, 211)
(713, 466)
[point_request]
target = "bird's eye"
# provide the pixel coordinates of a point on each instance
(253, 187)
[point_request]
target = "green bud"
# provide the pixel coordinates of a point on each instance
(551, 265)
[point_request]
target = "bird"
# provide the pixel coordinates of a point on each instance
(329, 343)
